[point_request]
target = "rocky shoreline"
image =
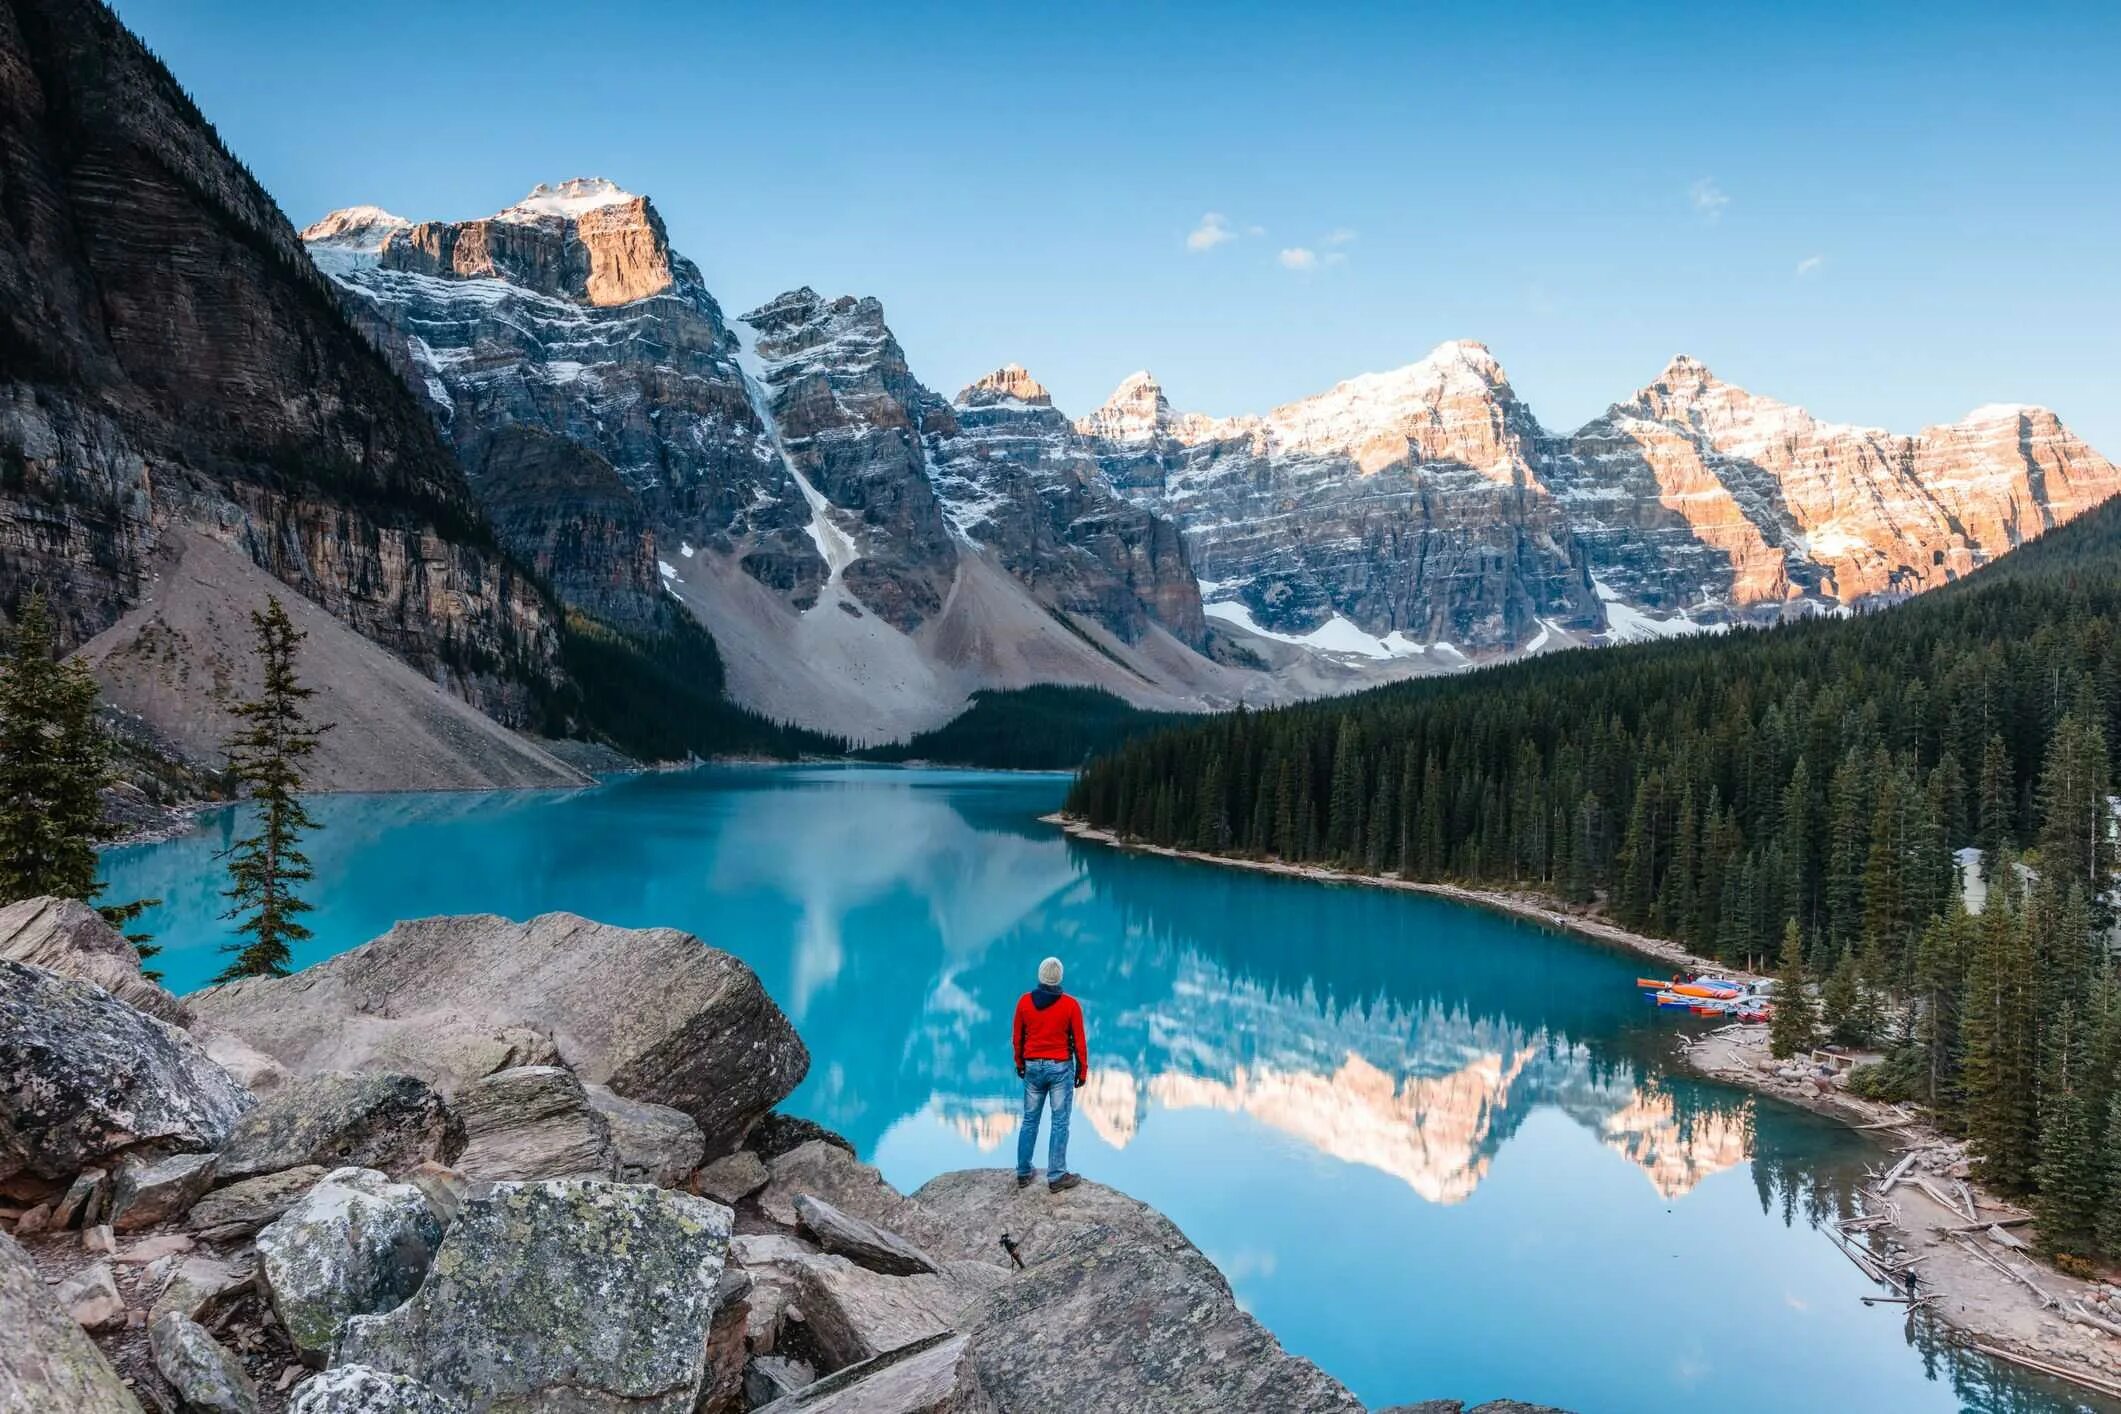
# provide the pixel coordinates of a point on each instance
(479, 1165)
(1992, 1293)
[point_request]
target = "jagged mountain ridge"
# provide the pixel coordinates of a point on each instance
(866, 551)
(1401, 512)
(1415, 520)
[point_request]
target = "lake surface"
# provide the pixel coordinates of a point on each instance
(1437, 1150)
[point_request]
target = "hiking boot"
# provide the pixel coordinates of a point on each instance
(1065, 1182)
(1023, 1180)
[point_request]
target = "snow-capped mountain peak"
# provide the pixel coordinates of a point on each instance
(352, 235)
(568, 201)
(1012, 382)
(1136, 412)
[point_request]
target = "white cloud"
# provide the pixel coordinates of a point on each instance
(1298, 258)
(1340, 236)
(1213, 230)
(1810, 265)
(1255, 230)
(1709, 199)
(1335, 257)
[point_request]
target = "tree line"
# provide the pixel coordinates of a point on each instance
(1813, 796)
(55, 762)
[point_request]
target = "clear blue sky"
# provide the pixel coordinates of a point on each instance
(1889, 213)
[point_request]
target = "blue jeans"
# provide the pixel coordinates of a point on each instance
(1046, 1081)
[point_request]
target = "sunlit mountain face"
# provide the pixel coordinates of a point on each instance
(1397, 1125)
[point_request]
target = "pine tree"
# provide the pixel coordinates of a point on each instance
(1997, 795)
(2075, 826)
(2069, 1171)
(54, 764)
(2000, 1069)
(1840, 1002)
(51, 766)
(266, 755)
(2107, 1224)
(1794, 1025)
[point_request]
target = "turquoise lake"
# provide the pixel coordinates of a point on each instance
(1437, 1150)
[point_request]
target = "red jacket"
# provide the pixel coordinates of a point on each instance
(1051, 1032)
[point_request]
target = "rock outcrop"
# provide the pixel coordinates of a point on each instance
(652, 1013)
(462, 1292)
(534, 1121)
(654, 1143)
(356, 1389)
(66, 936)
(935, 1375)
(1110, 1284)
(84, 1078)
(47, 1361)
(572, 1293)
(205, 1374)
(169, 355)
(354, 1245)
(379, 1121)
(151, 1191)
(233, 1213)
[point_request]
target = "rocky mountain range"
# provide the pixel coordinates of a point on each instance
(531, 458)
(1426, 512)
(867, 552)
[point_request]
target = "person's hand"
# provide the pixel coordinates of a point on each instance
(1082, 1077)
(1019, 1070)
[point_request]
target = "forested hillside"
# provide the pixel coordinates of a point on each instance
(1714, 790)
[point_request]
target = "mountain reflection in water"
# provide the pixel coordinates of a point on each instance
(1427, 1144)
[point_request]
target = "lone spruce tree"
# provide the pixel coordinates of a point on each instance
(1795, 1023)
(265, 756)
(51, 766)
(54, 763)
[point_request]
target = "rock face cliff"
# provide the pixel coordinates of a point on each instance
(865, 551)
(1400, 506)
(1426, 511)
(168, 355)
(1697, 496)
(569, 315)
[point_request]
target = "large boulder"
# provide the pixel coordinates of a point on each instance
(356, 1243)
(233, 1213)
(571, 1293)
(206, 1375)
(851, 1313)
(858, 1240)
(46, 1360)
(356, 1389)
(198, 1283)
(934, 1375)
(1111, 1286)
(655, 1143)
(66, 936)
(652, 1013)
(373, 1121)
(83, 1076)
(151, 1191)
(733, 1177)
(818, 1168)
(533, 1121)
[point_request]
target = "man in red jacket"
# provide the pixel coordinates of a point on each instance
(1053, 1057)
